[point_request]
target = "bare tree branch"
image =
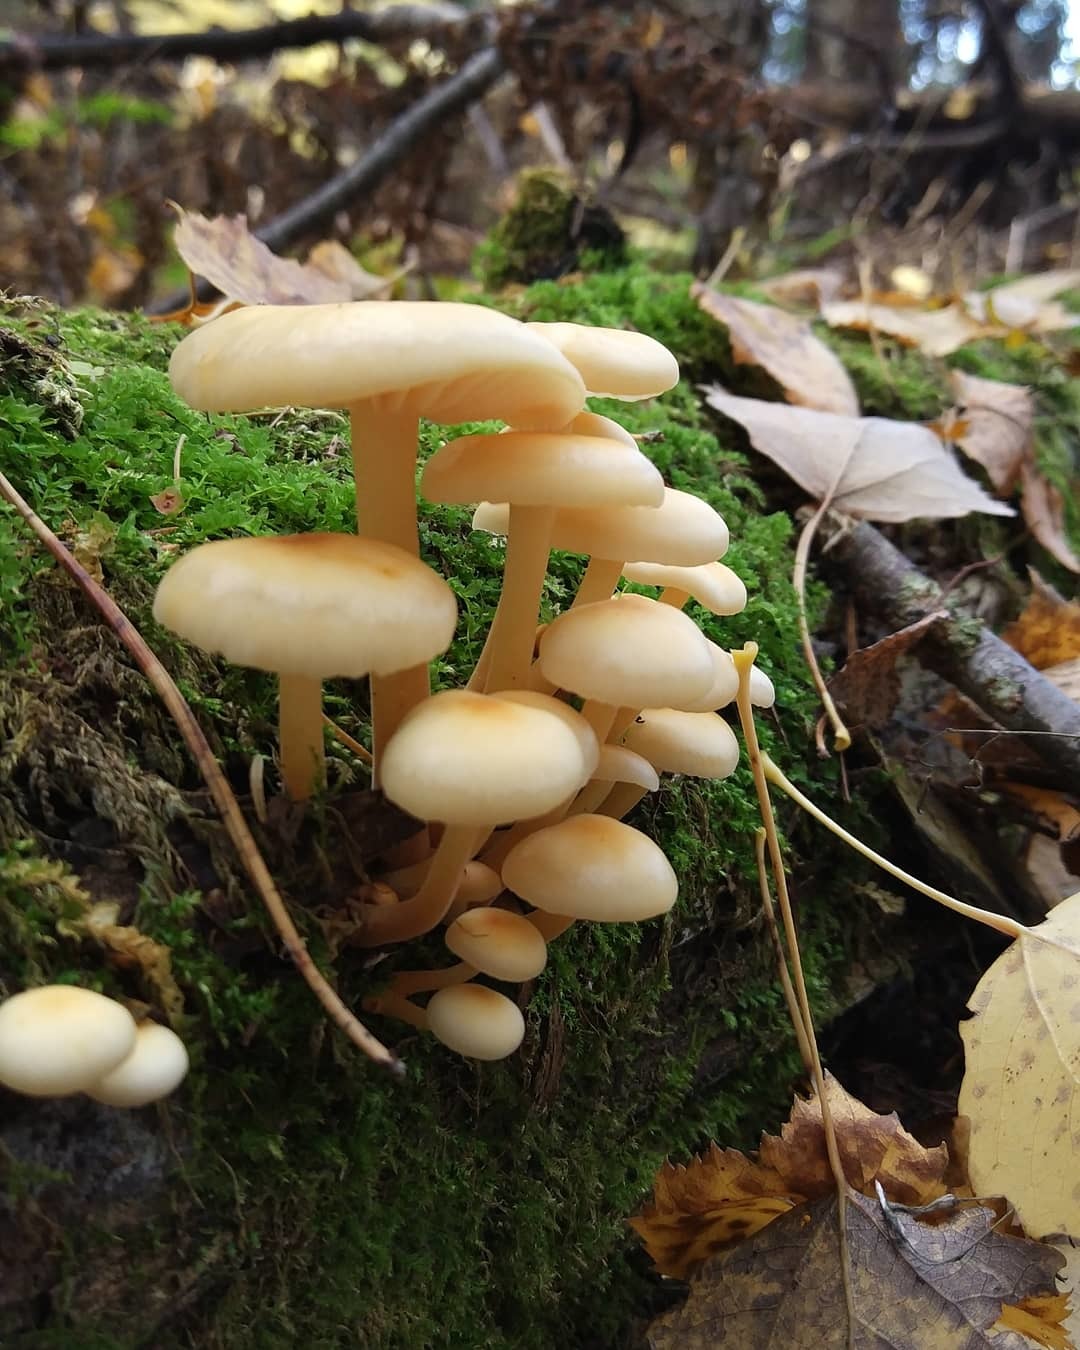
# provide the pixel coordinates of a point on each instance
(27, 51)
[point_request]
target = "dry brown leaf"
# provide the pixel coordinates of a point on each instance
(227, 254)
(169, 501)
(872, 1148)
(868, 686)
(808, 286)
(913, 1285)
(785, 346)
(719, 1198)
(334, 260)
(997, 423)
(881, 470)
(1048, 630)
(1021, 1088)
(130, 949)
(1041, 1318)
(1044, 512)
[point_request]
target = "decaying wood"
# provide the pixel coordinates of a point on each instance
(981, 666)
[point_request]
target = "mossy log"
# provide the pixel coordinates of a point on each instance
(291, 1194)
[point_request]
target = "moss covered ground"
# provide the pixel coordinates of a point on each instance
(307, 1199)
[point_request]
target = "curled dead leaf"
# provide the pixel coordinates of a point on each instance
(996, 426)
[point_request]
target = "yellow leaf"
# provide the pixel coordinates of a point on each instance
(1021, 1088)
(1039, 1318)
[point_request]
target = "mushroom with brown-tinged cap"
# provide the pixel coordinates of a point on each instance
(308, 607)
(471, 761)
(536, 472)
(58, 1039)
(389, 363)
(476, 1021)
(700, 744)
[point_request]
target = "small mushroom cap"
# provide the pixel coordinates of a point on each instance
(722, 690)
(309, 604)
(535, 468)
(479, 884)
(157, 1064)
(444, 361)
(617, 764)
(613, 362)
(712, 585)
(762, 690)
(592, 867)
(682, 530)
(475, 1021)
(697, 743)
(58, 1039)
(504, 945)
(594, 424)
(472, 759)
(625, 651)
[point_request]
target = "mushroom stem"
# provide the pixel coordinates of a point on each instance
(600, 716)
(384, 465)
(420, 914)
(495, 855)
(671, 595)
(513, 630)
(391, 1004)
(599, 582)
(408, 982)
(776, 776)
(300, 731)
(621, 800)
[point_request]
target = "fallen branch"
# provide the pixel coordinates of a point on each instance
(982, 667)
(27, 51)
(477, 75)
(216, 781)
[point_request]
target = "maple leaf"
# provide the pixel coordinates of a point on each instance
(785, 346)
(876, 468)
(1021, 1088)
(1047, 633)
(940, 1287)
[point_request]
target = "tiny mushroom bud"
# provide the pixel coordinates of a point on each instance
(476, 1021)
(58, 1039)
(762, 692)
(157, 1064)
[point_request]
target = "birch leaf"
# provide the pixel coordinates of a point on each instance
(881, 470)
(785, 346)
(1021, 1089)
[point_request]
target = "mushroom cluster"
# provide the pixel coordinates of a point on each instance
(58, 1039)
(521, 778)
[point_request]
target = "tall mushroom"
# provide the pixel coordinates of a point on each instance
(389, 363)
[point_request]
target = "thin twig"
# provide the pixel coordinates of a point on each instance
(349, 742)
(744, 660)
(216, 781)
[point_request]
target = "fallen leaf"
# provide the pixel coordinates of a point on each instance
(1070, 1278)
(334, 260)
(169, 501)
(130, 949)
(1021, 1087)
(938, 1287)
(1041, 1318)
(716, 1199)
(1050, 869)
(1047, 632)
(808, 286)
(1037, 289)
(1044, 512)
(997, 424)
(227, 254)
(785, 346)
(872, 1149)
(868, 686)
(881, 470)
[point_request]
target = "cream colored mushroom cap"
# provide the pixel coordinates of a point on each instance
(309, 604)
(503, 945)
(617, 764)
(58, 1039)
(475, 1021)
(683, 530)
(613, 362)
(762, 690)
(570, 717)
(472, 759)
(592, 867)
(712, 585)
(722, 690)
(588, 423)
(157, 1064)
(697, 743)
(535, 468)
(628, 651)
(444, 361)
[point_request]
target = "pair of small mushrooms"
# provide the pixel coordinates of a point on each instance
(57, 1040)
(523, 791)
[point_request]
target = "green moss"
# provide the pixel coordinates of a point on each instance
(316, 1201)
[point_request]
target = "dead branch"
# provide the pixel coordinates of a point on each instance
(477, 74)
(26, 51)
(982, 667)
